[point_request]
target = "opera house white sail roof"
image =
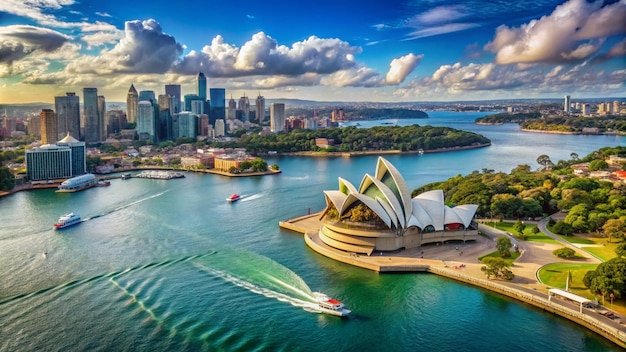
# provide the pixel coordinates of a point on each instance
(388, 196)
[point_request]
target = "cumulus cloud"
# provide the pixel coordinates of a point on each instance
(144, 48)
(18, 41)
(617, 50)
(262, 55)
(401, 67)
(574, 31)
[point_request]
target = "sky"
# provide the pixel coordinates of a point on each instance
(324, 50)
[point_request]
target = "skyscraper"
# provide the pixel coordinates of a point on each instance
(101, 113)
(244, 106)
(147, 95)
(49, 124)
(566, 104)
(145, 120)
(232, 109)
(260, 108)
(164, 126)
(132, 99)
(218, 105)
(90, 111)
(201, 81)
(68, 115)
(277, 117)
(173, 90)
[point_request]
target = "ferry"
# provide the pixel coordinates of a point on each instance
(126, 176)
(330, 305)
(78, 183)
(233, 197)
(67, 220)
(103, 183)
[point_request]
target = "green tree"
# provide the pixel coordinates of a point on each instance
(496, 267)
(615, 228)
(7, 180)
(544, 161)
(503, 245)
(620, 250)
(275, 167)
(519, 226)
(563, 228)
(564, 253)
(608, 278)
(597, 165)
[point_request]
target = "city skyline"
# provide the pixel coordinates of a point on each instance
(386, 52)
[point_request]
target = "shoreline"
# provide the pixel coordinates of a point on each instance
(444, 261)
(384, 152)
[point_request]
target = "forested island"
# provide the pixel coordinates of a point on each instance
(353, 139)
(363, 113)
(534, 121)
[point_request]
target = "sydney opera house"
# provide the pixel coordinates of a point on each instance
(380, 215)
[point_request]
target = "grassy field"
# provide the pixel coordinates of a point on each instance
(528, 231)
(555, 275)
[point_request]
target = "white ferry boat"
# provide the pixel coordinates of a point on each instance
(66, 221)
(78, 183)
(330, 305)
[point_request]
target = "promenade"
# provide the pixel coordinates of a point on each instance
(460, 262)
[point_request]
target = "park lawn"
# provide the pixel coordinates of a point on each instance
(576, 239)
(555, 275)
(602, 249)
(496, 254)
(530, 236)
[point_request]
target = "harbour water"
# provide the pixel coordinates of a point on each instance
(169, 265)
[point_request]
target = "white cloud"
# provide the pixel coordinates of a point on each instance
(441, 14)
(442, 29)
(401, 67)
(574, 31)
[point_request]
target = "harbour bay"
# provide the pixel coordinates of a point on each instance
(169, 265)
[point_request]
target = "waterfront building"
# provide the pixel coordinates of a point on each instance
(260, 108)
(132, 101)
(145, 120)
(68, 115)
(566, 104)
(201, 83)
(173, 90)
(218, 104)
(90, 113)
(277, 117)
(65, 159)
(380, 215)
(232, 109)
(101, 115)
(48, 120)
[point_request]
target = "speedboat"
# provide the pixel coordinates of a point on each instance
(330, 305)
(66, 221)
(233, 197)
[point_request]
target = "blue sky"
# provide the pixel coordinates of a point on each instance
(416, 50)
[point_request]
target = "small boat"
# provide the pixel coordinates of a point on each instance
(233, 197)
(330, 305)
(126, 176)
(103, 183)
(66, 221)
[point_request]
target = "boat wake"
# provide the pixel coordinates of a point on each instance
(247, 198)
(260, 275)
(126, 206)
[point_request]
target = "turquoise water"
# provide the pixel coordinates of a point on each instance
(171, 266)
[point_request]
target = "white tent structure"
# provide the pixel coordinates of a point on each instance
(568, 295)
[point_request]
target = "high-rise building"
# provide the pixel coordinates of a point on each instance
(260, 108)
(277, 117)
(173, 90)
(201, 83)
(116, 121)
(188, 99)
(132, 99)
(244, 107)
(586, 109)
(218, 105)
(232, 109)
(164, 128)
(145, 120)
(186, 124)
(90, 111)
(33, 125)
(68, 115)
(566, 104)
(197, 107)
(65, 159)
(49, 125)
(101, 114)
(220, 128)
(147, 95)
